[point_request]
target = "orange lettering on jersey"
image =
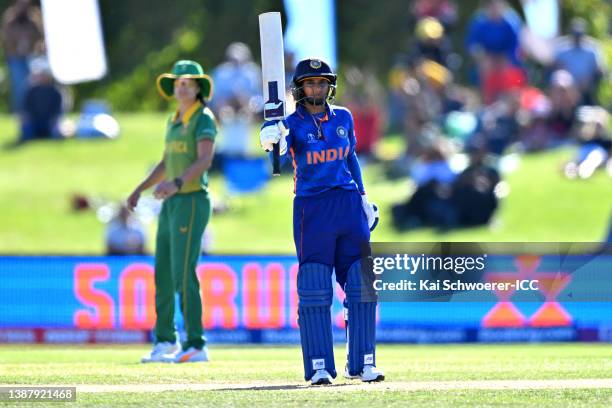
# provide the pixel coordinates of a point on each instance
(318, 157)
(327, 155)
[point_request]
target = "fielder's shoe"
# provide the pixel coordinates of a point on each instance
(191, 355)
(369, 374)
(159, 350)
(321, 377)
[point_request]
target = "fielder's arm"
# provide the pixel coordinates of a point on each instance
(156, 176)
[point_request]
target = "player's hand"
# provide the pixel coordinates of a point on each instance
(165, 189)
(371, 211)
(274, 132)
(132, 200)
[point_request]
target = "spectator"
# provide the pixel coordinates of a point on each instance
(22, 39)
(236, 99)
(581, 56)
(363, 96)
(431, 43)
(428, 97)
(499, 77)
(445, 11)
(431, 204)
(474, 195)
(399, 73)
(493, 31)
(595, 145)
(42, 105)
(564, 98)
(125, 235)
(498, 125)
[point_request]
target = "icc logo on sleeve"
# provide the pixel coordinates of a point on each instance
(341, 131)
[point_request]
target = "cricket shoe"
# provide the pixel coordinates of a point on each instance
(321, 377)
(159, 350)
(191, 355)
(369, 374)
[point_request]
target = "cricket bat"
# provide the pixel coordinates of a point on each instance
(273, 73)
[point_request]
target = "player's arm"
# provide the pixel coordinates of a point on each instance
(370, 209)
(352, 161)
(156, 176)
(168, 188)
(355, 169)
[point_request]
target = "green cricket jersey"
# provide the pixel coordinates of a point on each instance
(182, 136)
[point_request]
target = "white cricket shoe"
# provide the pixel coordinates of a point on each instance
(191, 355)
(321, 377)
(369, 374)
(159, 350)
(347, 375)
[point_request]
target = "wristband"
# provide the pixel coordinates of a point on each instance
(178, 182)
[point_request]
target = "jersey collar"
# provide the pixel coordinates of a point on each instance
(188, 113)
(303, 112)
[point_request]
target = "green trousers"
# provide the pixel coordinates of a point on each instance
(182, 221)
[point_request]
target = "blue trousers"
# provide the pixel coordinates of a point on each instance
(331, 228)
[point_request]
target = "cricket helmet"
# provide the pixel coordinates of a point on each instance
(312, 68)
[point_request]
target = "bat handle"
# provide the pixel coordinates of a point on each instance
(276, 160)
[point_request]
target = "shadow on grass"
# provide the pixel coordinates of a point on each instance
(282, 387)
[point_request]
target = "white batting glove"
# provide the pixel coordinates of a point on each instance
(371, 211)
(274, 132)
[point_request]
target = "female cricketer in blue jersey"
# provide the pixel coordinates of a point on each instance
(332, 220)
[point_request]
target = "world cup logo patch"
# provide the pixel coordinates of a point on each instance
(341, 132)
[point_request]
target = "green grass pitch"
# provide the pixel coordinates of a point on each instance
(538, 375)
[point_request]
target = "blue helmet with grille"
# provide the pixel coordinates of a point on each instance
(312, 68)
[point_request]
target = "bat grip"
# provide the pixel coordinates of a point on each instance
(276, 160)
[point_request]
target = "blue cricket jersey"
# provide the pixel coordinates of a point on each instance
(323, 160)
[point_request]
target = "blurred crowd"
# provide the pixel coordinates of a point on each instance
(523, 94)
(37, 99)
(457, 136)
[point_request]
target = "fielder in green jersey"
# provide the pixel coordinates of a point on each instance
(182, 183)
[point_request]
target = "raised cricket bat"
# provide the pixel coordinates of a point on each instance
(273, 73)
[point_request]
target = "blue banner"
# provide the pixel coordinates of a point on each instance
(253, 299)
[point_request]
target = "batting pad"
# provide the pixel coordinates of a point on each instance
(315, 292)
(361, 300)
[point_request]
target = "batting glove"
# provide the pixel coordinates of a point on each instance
(274, 132)
(371, 211)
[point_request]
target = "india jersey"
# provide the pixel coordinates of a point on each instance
(322, 148)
